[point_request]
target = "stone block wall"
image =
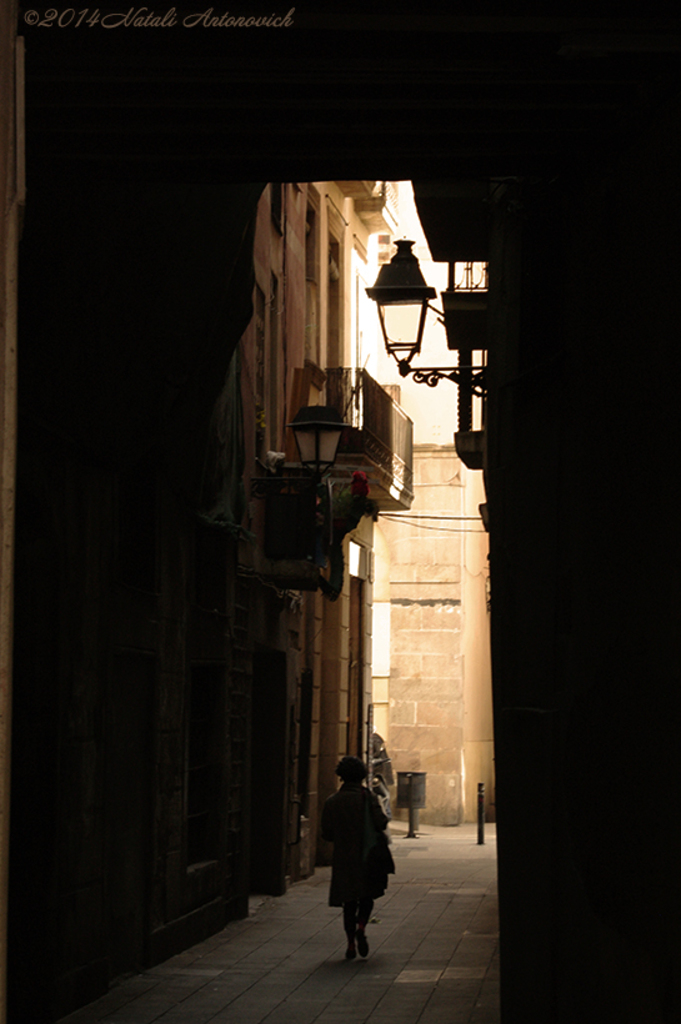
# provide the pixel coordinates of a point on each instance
(426, 708)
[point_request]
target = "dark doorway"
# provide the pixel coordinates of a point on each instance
(305, 741)
(356, 680)
(268, 773)
(128, 789)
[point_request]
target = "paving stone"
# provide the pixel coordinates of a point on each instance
(457, 973)
(433, 953)
(418, 976)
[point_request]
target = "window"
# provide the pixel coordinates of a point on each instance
(334, 352)
(273, 361)
(312, 287)
(260, 412)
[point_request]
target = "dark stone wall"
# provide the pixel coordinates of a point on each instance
(584, 435)
(132, 684)
(101, 843)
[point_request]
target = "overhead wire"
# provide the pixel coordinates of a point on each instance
(411, 521)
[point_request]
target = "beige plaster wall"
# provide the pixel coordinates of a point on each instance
(338, 221)
(478, 749)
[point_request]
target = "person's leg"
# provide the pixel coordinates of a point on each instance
(350, 924)
(366, 905)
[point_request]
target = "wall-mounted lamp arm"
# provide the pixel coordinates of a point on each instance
(470, 378)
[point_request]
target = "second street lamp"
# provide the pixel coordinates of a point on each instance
(317, 430)
(291, 492)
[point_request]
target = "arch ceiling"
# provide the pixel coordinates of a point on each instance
(357, 91)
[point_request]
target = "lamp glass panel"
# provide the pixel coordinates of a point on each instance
(402, 322)
(307, 446)
(318, 447)
(328, 446)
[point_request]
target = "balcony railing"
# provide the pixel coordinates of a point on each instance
(389, 190)
(380, 431)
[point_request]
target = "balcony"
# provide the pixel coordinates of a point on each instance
(379, 440)
(375, 202)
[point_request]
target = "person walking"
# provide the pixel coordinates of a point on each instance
(352, 819)
(382, 773)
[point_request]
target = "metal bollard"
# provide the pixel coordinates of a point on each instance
(413, 813)
(481, 814)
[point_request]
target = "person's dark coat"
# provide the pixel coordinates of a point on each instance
(343, 825)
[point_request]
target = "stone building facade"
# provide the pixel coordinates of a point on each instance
(439, 714)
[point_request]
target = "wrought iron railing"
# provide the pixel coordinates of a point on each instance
(380, 428)
(471, 277)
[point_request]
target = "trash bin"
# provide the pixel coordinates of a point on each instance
(414, 783)
(411, 793)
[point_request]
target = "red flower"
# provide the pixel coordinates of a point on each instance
(359, 488)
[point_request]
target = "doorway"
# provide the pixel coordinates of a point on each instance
(355, 743)
(269, 745)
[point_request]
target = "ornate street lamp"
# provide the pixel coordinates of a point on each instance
(317, 430)
(401, 284)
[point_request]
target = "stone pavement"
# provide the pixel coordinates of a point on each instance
(433, 955)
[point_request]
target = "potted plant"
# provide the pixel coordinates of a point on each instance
(348, 505)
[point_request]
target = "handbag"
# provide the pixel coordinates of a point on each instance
(378, 859)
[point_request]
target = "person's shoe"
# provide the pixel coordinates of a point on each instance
(350, 953)
(362, 944)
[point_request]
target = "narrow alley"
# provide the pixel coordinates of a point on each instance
(433, 954)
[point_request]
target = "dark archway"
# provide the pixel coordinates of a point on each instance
(577, 117)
